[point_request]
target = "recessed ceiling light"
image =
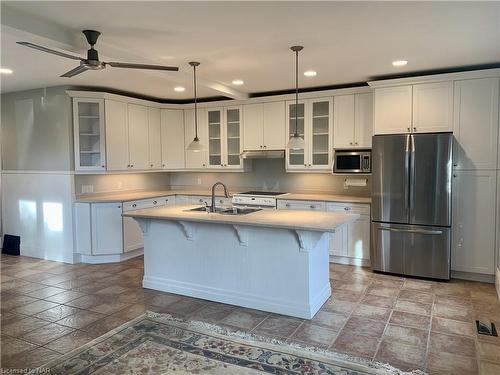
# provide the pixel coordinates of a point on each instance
(5, 71)
(179, 89)
(399, 63)
(310, 73)
(238, 82)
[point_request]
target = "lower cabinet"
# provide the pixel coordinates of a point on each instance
(353, 239)
(474, 213)
(351, 242)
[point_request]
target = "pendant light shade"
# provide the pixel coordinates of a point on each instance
(195, 145)
(296, 142)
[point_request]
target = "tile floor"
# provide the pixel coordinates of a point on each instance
(50, 308)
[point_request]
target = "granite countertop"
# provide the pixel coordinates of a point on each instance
(132, 195)
(281, 219)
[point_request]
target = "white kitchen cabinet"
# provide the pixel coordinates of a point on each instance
(116, 136)
(353, 121)
(285, 204)
(107, 231)
(138, 140)
(264, 126)
(154, 138)
(393, 109)
(88, 124)
(355, 236)
(224, 139)
(473, 220)
(172, 139)
(475, 127)
(433, 107)
(314, 124)
(196, 160)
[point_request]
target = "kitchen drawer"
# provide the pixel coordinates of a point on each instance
(352, 208)
(208, 200)
(148, 203)
(301, 205)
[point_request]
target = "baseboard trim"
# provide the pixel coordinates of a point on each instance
(471, 276)
(350, 261)
(497, 281)
(239, 299)
(114, 258)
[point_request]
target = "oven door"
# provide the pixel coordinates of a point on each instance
(347, 162)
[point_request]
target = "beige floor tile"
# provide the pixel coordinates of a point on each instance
(330, 319)
(104, 325)
(425, 286)
(244, 319)
(80, 319)
(416, 296)
(64, 297)
(489, 368)
(364, 327)
(47, 333)
(410, 320)
(314, 335)
(12, 346)
(413, 307)
(406, 335)
(339, 306)
(459, 345)
(23, 326)
(31, 359)
(379, 301)
(455, 327)
(439, 363)
(73, 340)
(372, 312)
(397, 352)
(277, 326)
(383, 291)
(488, 352)
(355, 345)
(452, 312)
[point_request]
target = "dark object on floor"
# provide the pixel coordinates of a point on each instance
(11, 244)
(486, 328)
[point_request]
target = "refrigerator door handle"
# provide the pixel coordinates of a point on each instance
(416, 231)
(412, 175)
(407, 162)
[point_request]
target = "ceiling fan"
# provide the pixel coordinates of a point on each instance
(92, 61)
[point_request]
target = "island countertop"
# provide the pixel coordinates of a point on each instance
(280, 219)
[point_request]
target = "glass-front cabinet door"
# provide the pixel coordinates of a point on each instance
(321, 132)
(296, 159)
(233, 138)
(215, 137)
(88, 127)
(314, 124)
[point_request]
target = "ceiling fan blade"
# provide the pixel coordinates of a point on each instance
(74, 72)
(48, 50)
(142, 66)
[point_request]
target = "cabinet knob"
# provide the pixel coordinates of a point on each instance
(222, 165)
(151, 165)
(103, 166)
(347, 208)
(155, 202)
(204, 165)
(356, 143)
(225, 165)
(312, 206)
(287, 205)
(454, 175)
(134, 205)
(309, 164)
(131, 165)
(119, 206)
(163, 165)
(260, 146)
(408, 129)
(166, 200)
(305, 165)
(455, 164)
(414, 129)
(265, 146)
(350, 143)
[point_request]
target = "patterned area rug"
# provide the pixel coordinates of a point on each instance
(159, 344)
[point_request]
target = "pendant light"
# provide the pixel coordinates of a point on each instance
(296, 142)
(195, 144)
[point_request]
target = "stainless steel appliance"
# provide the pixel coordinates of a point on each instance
(260, 199)
(411, 204)
(352, 161)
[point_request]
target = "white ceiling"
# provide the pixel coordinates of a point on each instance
(344, 42)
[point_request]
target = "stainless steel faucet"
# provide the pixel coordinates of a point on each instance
(226, 194)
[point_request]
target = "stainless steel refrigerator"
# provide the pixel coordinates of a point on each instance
(411, 204)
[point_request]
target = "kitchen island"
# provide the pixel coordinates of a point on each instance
(269, 260)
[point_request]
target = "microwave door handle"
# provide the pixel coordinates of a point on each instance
(407, 172)
(333, 160)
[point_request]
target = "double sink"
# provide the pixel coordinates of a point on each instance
(225, 210)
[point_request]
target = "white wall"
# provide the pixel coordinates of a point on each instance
(38, 207)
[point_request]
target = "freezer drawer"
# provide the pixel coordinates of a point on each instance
(411, 250)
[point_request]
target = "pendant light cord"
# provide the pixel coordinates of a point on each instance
(195, 104)
(296, 93)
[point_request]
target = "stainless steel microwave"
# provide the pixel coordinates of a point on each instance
(352, 161)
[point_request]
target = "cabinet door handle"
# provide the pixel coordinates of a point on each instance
(347, 208)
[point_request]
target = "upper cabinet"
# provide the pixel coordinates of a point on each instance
(476, 123)
(138, 139)
(314, 123)
(154, 135)
(353, 121)
(419, 108)
(195, 160)
(88, 117)
(172, 138)
(264, 126)
(116, 136)
(224, 138)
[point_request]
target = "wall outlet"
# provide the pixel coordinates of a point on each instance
(198, 180)
(87, 189)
